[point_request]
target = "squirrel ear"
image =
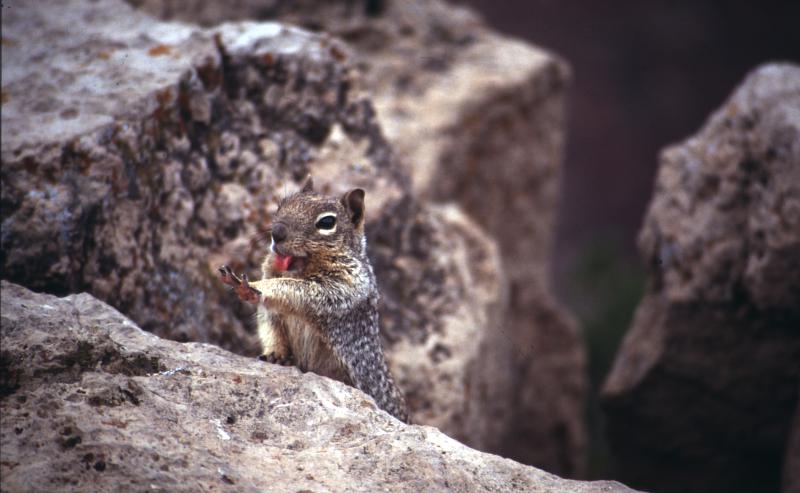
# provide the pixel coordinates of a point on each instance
(353, 201)
(308, 185)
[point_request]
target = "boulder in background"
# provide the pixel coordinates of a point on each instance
(704, 387)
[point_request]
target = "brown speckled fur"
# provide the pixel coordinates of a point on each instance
(325, 317)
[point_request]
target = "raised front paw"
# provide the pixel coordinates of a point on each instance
(241, 286)
(275, 358)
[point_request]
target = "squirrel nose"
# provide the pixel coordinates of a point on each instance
(279, 232)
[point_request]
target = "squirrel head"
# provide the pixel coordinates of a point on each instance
(314, 232)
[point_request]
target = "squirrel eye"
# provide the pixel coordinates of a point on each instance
(326, 222)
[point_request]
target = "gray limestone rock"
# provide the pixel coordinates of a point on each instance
(715, 343)
(162, 150)
(90, 402)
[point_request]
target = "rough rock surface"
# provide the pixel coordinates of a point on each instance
(479, 121)
(440, 316)
(90, 402)
(715, 343)
(476, 118)
(138, 156)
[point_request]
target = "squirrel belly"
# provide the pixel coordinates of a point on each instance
(308, 350)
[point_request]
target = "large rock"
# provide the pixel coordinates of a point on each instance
(90, 402)
(478, 119)
(139, 155)
(703, 389)
(443, 298)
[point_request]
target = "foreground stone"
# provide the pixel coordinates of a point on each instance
(92, 403)
(703, 390)
(476, 119)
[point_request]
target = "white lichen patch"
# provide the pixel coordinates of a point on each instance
(221, 433)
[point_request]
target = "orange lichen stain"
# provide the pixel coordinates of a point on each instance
(8, 42)
(161, 116)
(210, 74)
(116, 423)
(104, 55)
(184, 99)
(160, 50)
(338, 54)
(4, 96)
(268, 59)
(164, 97)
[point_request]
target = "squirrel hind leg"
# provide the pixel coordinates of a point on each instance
(278, 359)
(274, 343)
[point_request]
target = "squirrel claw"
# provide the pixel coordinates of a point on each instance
(241, 286)
(277, 360)
(227, 276)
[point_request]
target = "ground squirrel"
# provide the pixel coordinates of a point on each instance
(318, 299)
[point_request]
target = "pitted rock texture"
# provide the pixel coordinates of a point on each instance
(442, 315)
(140, 206)
(703, 389)
(191, 137)
(476, 119)
(90, 402)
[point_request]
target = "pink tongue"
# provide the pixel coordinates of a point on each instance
(282, 262)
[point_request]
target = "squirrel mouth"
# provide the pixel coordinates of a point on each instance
(289, 263)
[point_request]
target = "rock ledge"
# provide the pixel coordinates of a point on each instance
(90, 402)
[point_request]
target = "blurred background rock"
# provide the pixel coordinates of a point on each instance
(645, 75)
